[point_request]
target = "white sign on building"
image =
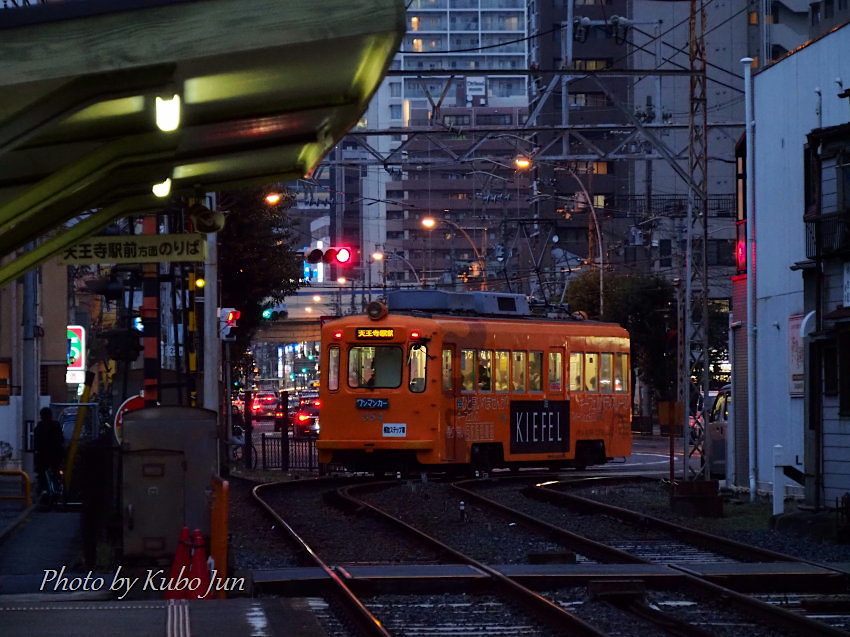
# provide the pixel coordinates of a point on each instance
(476, 86)
(796, 369)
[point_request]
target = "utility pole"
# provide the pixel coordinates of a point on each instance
(30, 388)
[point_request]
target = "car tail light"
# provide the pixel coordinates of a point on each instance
(302, 416)
(318, 403)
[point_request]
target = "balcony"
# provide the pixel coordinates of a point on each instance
(827, 235)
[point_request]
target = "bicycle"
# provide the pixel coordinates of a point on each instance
(53, 487)
(237, 449)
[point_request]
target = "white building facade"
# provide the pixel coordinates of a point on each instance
(802, 198)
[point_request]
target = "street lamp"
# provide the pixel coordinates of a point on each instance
(524, 163)
(376, 257)
(392, 255)
(430, 222)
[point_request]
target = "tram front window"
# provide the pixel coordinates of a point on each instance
(379, 366)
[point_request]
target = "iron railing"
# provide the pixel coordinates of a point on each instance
(827, 234)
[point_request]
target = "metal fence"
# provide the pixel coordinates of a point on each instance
(284, 453)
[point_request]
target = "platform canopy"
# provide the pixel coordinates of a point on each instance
(266, 88)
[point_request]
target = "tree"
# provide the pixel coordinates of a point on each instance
(645, 305)
(255, 257)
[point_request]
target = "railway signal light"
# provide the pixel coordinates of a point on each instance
(741, 256)
(741, 247)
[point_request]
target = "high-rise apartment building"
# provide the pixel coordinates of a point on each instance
(452, 74)
(596, 92)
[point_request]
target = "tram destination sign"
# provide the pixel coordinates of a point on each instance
(372, 403)
(373, 334)
(540, 426)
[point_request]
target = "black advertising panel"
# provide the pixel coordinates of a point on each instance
(540, 426)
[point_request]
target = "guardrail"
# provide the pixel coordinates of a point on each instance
(26, 486)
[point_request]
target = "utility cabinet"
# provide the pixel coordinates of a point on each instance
(169, 456)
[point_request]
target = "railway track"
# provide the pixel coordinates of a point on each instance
(502, 605)
(434, 563)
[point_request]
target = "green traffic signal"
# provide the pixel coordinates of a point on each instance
(271, 314)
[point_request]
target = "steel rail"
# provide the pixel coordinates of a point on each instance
(361, 617)
(556, 617)
(778, 617)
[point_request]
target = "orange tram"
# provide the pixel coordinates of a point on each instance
(450, 381)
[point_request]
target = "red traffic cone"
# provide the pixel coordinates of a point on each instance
(180, 566)
(199, 567)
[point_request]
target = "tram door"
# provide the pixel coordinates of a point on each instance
(555, 389)
(449, 388)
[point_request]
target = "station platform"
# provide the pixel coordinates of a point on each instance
(34, 542)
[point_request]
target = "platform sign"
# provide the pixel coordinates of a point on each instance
(76, 355)
(188, 247)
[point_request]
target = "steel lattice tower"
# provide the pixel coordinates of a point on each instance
(695, 357)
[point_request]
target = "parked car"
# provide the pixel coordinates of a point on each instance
(697, 422)
(305, 422)
(718, 428)
(264, 404)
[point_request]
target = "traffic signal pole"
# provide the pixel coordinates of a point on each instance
(212, 343)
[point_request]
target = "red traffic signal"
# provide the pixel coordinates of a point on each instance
(228, 319)
(339, 255)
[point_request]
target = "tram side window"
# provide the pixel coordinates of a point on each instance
(575, 371)
(621, 374)
(591, 371)
(374, 366)
(518, 372)
(501, 369)
(467, 369)
(606, 373)
(556, 371)
(417, 358)
(333, 368)
(485, 370)
(535, 371)
(446, 367)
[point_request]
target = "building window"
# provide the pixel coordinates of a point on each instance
(590, 167)
(395, 111)
(843, 345)
(494, 118)
(588, 100)
(665, 253)
(592, 64)
(457, 120)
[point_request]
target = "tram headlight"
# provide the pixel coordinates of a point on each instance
(376, 310)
